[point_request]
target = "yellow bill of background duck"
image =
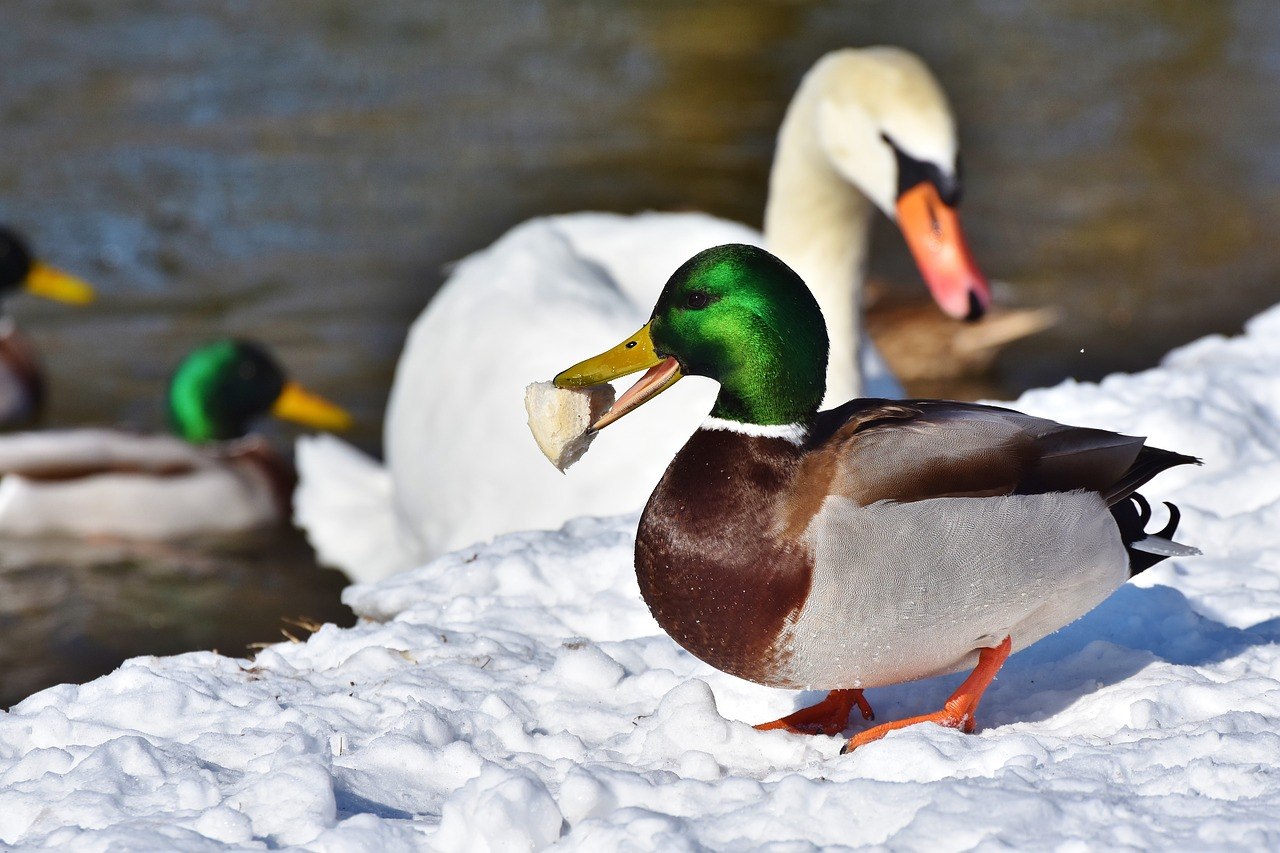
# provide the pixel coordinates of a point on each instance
(301, 406)
(50, 282)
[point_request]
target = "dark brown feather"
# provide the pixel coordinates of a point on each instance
(76, 470)
(1070, 458)
(950, 449)
(1150, 462)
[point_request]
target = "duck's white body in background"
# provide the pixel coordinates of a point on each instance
(98, 482)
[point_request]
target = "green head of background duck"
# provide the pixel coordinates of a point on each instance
(871, 544)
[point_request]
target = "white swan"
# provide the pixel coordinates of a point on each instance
(867, 127)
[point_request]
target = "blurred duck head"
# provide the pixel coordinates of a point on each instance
(21, 271)
(221, 388)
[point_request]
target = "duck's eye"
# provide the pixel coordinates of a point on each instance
(697, 299)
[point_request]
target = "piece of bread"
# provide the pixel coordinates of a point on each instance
(559, 418)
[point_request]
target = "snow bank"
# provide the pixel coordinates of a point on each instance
(518, 695)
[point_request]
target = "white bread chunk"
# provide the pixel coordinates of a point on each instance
(559, 417)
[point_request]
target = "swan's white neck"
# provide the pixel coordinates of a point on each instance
(818, 223)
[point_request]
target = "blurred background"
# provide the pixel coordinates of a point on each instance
(303, 173)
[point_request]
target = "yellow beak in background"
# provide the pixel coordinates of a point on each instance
(299, 405)
(53, 283)
(634, 354)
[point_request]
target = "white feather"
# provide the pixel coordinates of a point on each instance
(344, 503)
(1165, 547)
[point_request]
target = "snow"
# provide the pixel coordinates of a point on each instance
(518, 695)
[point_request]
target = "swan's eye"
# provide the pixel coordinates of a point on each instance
(697, 299)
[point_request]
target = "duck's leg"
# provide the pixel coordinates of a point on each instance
(828, 717)
(959, 710)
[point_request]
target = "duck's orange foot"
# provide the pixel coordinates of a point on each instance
(959, 712)
(950, 717)
(828, 717)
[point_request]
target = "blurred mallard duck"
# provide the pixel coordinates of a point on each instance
(206, 478)
(868, 129)
(873, 543)
(21, 380)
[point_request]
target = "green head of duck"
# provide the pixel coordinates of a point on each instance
(221, 388)
(735, 314)
(20, 270)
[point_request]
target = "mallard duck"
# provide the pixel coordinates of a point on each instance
(868, 129)
(207, 478)
(21, 382)
(873, 543)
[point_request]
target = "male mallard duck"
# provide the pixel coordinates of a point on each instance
(868, 129)
(206, 479)
(21, 384)
(870, 544)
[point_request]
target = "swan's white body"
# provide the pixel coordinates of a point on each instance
(89, 482)
(461, 465)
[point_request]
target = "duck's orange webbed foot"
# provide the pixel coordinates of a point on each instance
(828, 717)
(959, 711)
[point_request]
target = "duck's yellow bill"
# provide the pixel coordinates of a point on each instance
(634, 354)
(299, 405)
(53, 283)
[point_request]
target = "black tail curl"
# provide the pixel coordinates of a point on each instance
(1132, 515)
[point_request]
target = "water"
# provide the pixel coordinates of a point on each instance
(302, 173)
(72, 610)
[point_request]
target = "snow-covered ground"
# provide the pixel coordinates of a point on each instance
(518, 696)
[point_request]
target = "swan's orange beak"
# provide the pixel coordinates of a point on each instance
(933, 233)
(634, 354)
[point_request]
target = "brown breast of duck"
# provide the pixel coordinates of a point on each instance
(714, 573)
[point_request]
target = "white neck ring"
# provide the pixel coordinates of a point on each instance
(793, 433)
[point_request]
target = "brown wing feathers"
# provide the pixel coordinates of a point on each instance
(917, 449)
(1068, 458)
